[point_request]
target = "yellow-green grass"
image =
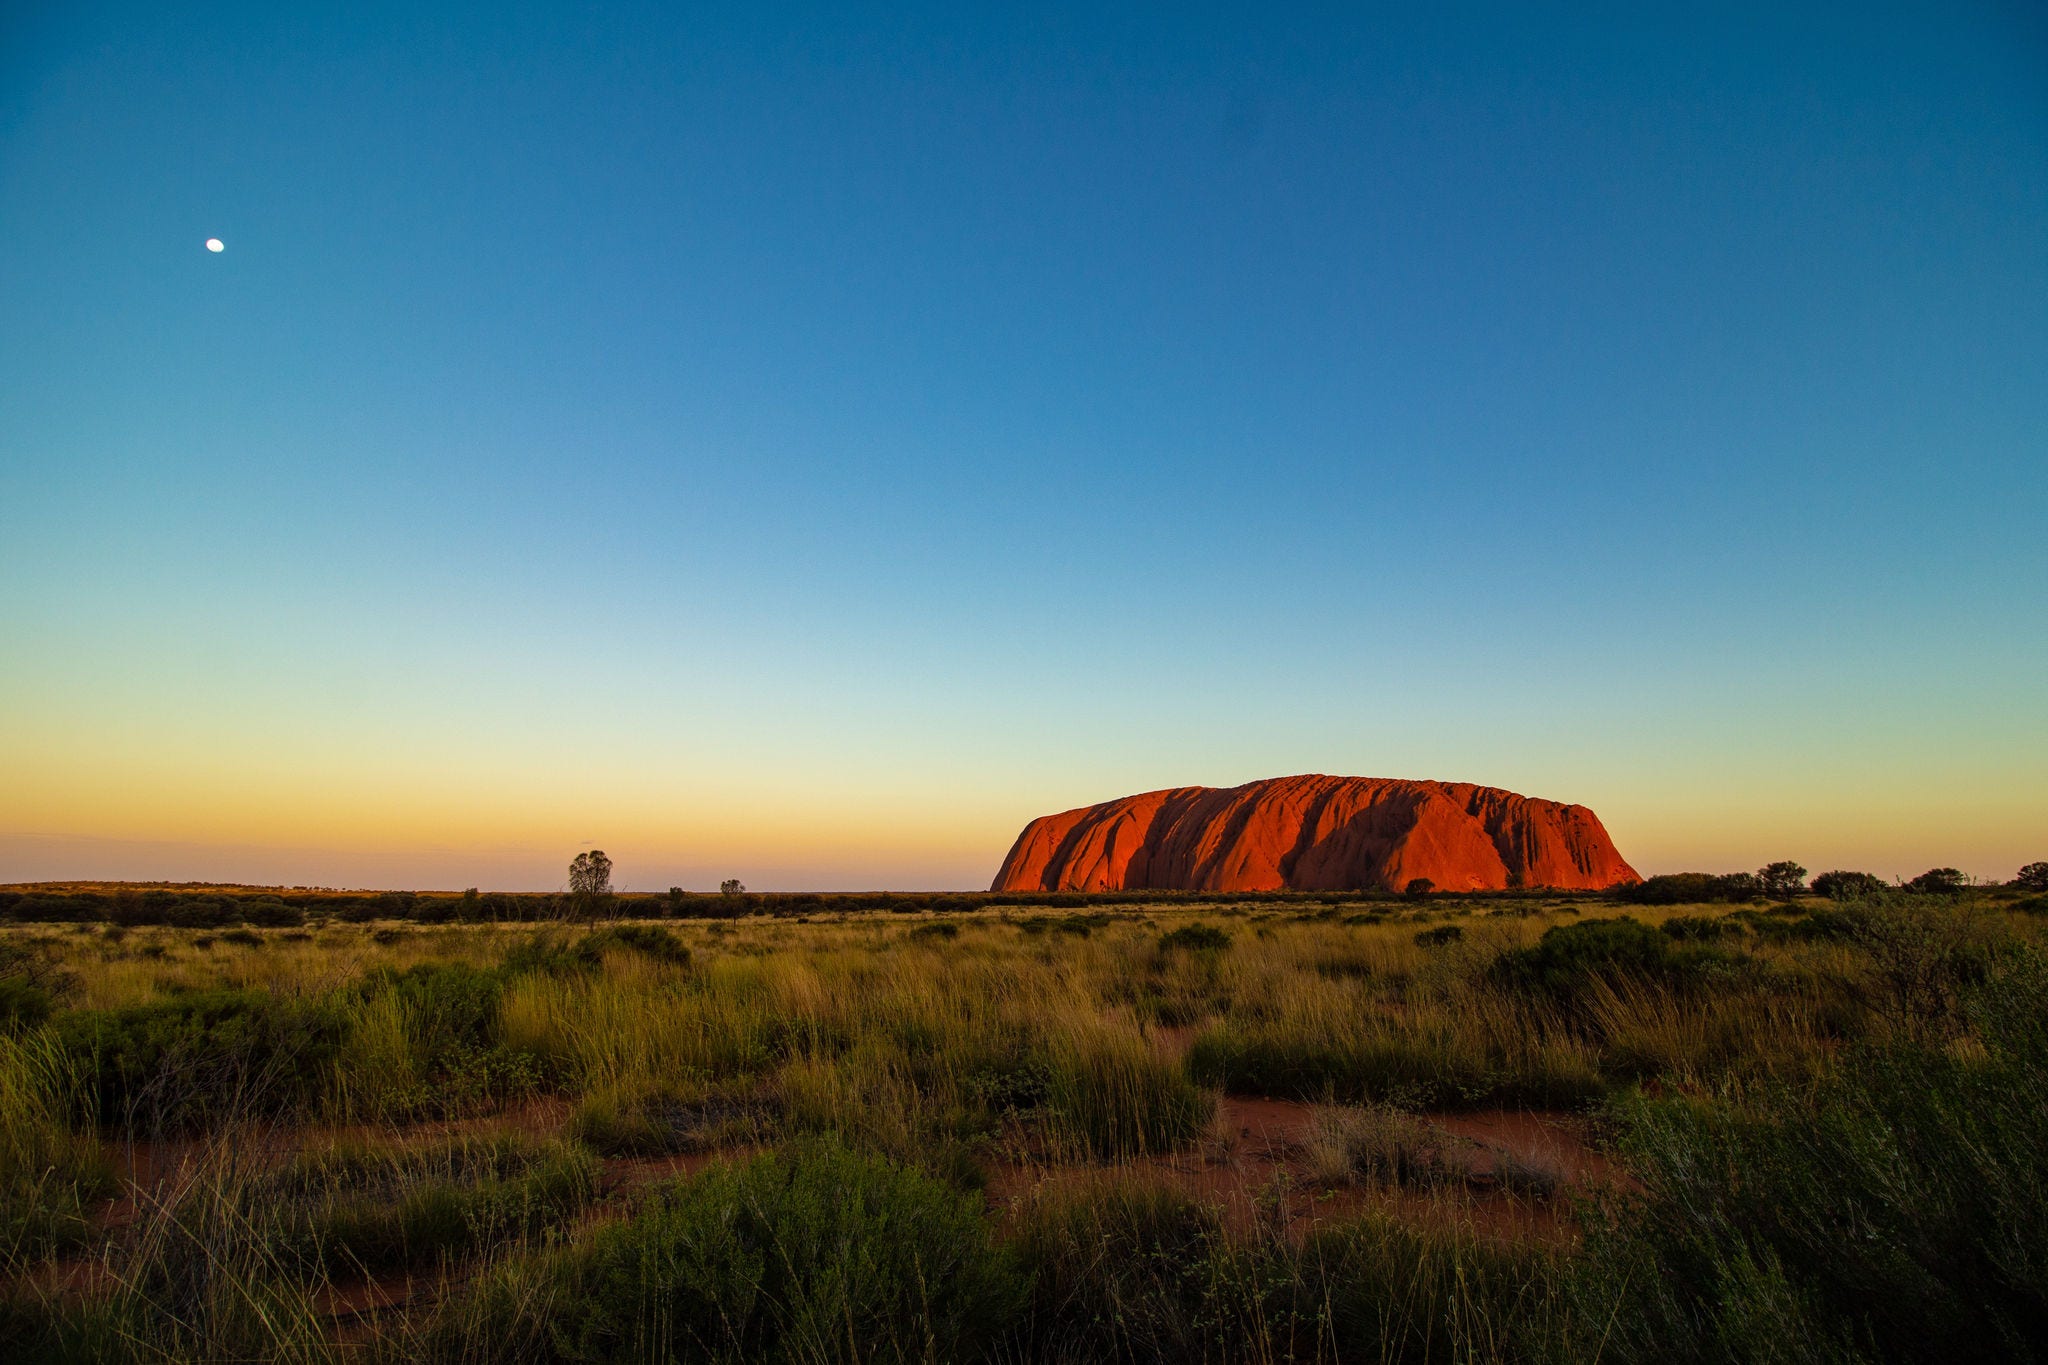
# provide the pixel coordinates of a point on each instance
(950, 1048)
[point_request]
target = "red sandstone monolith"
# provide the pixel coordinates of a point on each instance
(1316, 833)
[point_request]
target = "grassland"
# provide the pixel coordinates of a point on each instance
(1534, 1129)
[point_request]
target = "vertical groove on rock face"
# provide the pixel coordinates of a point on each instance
(1316, 833)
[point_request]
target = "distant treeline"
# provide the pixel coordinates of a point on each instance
(203, 908)
(209, 908)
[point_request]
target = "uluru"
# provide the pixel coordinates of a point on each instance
(1317, 833)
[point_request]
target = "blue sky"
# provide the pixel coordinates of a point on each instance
(804, 445)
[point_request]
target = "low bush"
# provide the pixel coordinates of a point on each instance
(549, 952)
(1110, 1095)
(50, 1173)
(1895, 1212)
(664, 1118)
(1699, 928)
(1129, 1271)
(31, 983)
(1689, 888)
(1839, 885)
(1569, 958)
(814, 1254)
(199, 1058)
(1195, 938)
(1380, 1145)
(351, 1210)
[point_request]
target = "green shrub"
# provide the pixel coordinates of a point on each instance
(1127, 1270)
(1698, 928)
(31, 983)
(1566, 961)
(649, 940)
(200, 1058)
(352, 1210)
(658, 1119)
(1439, 936)
(813, 1254)
(1896, 1212)
(1130, 1271)
(1111, 1096)
(1195, 938)
(551, 953)
(1838, 885)
(50, 1173)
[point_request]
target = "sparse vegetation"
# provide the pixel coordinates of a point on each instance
(1033, 1137)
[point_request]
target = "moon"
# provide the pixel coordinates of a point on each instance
(215, 244)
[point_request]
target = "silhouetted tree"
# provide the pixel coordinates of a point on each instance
(590, 884)
(1419, 887)
(1842, 886)
(1939, 881)
(1781, 880)
(2033, 877)
(730, 887)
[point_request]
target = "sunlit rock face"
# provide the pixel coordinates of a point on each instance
(1316, 833)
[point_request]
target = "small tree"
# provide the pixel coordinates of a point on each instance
(730, 887)
(590, 884)
(1419, 888)
(1941, 881)
(1781, 880)
(2033, 877)
(1839, 885)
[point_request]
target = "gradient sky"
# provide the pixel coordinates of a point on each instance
(805, 445)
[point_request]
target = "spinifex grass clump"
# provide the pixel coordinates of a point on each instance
(1571, 958)
(199, 1058)
(1110, 1095)
(814, 1254)
(686, 1114)
(50, 1172)
(426, 1041)
(1130, 1270)
(1377, 1144)
(1896, 1211)
(354, 1209)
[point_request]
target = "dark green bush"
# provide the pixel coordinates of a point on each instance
(1195, 938)
(200, 1058)
(1690, 888)
(813, 1254)
(1569, 957)
(550, 953)
(1129, 1271)
(1846, 886)
(1939, 881)
(1897, 1212)
(1439, 936)
(649, 940)
(1391, 1069)
(1698, 928)
(378, 1209)
(447, 1004)
(31, 983)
